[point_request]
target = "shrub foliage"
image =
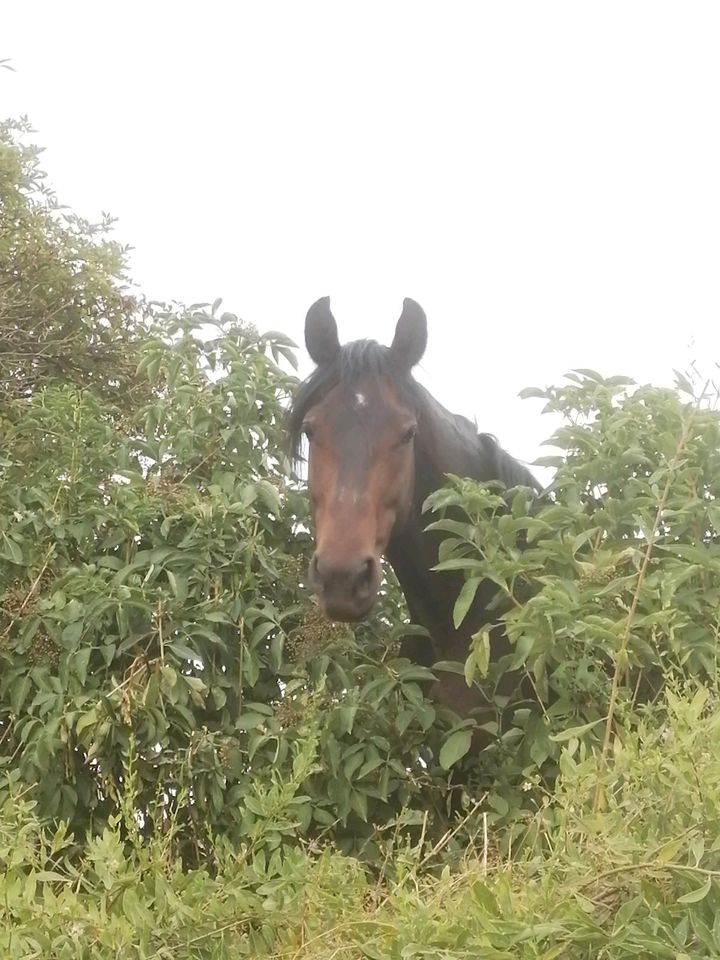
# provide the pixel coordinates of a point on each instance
(153, 552)
(195, 763)
(612, 584)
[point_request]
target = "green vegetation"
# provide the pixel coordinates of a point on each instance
(196, 764)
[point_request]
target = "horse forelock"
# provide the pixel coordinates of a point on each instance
(357, 361)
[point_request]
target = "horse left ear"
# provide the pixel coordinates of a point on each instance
(321, 336)
(410, 338)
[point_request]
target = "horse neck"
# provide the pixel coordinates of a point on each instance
(446, 444)
(412, 551)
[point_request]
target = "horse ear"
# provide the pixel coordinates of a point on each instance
(321, 336)
(410, 338)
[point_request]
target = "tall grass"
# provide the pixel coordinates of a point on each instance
(637, 878)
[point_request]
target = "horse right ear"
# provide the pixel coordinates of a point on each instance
(410, 338)
(321, 336)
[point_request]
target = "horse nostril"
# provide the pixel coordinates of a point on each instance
(346, 585)
(366, 574)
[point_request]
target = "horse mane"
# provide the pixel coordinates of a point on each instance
(360, 359)
(505, 467)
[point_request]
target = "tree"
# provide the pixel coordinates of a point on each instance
(153, 553)
(66, 312)
(617, 590)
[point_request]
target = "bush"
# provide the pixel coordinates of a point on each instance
(153, 552)
(66, 311)
(610, 586)
(639, 879)
(196, 764)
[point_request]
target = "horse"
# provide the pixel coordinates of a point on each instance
(378, 445)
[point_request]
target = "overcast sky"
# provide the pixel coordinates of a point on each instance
(543, 177)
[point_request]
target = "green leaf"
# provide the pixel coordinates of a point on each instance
(689, 551)
(153, 367)
(450, 666)
(346, 718)
(19, 690)
(416, 673)
(481, 652)
(469, 672)
(459, 564)
(182, 650)
(572, 732)
(12, 551)
(465, 600)
(372, 952)
(358, 802)
(694, 896)
(133, 910)
(589, 374)
(498, 803)
(455, 748)
(370, 764)
(72, 633)
(51, 876)
(217, 616)
(168, 676)
(465, 531)
(683, 382)
(80, 662)
(88, 719)
(178, 584)
(270, 495)
(250, 721)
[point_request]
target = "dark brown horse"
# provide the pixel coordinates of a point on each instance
(379, 444)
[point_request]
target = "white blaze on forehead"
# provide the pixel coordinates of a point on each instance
(344, 495)
(360, 400)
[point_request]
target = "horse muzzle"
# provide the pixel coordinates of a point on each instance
(346, 588)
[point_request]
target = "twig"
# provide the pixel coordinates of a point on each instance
(31, 591)
(241, 657)
(161, 638)
(649, 865)
(485, 844)
(449, 834)
(622, 651)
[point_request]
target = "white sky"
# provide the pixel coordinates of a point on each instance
(544, 178)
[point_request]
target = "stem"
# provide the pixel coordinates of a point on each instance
(620, 658)
(240, 666)
(160, 632)
(485, 845)
(650, 865)
(31, 591)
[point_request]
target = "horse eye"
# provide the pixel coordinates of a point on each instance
(409, 434)
(307, 430)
